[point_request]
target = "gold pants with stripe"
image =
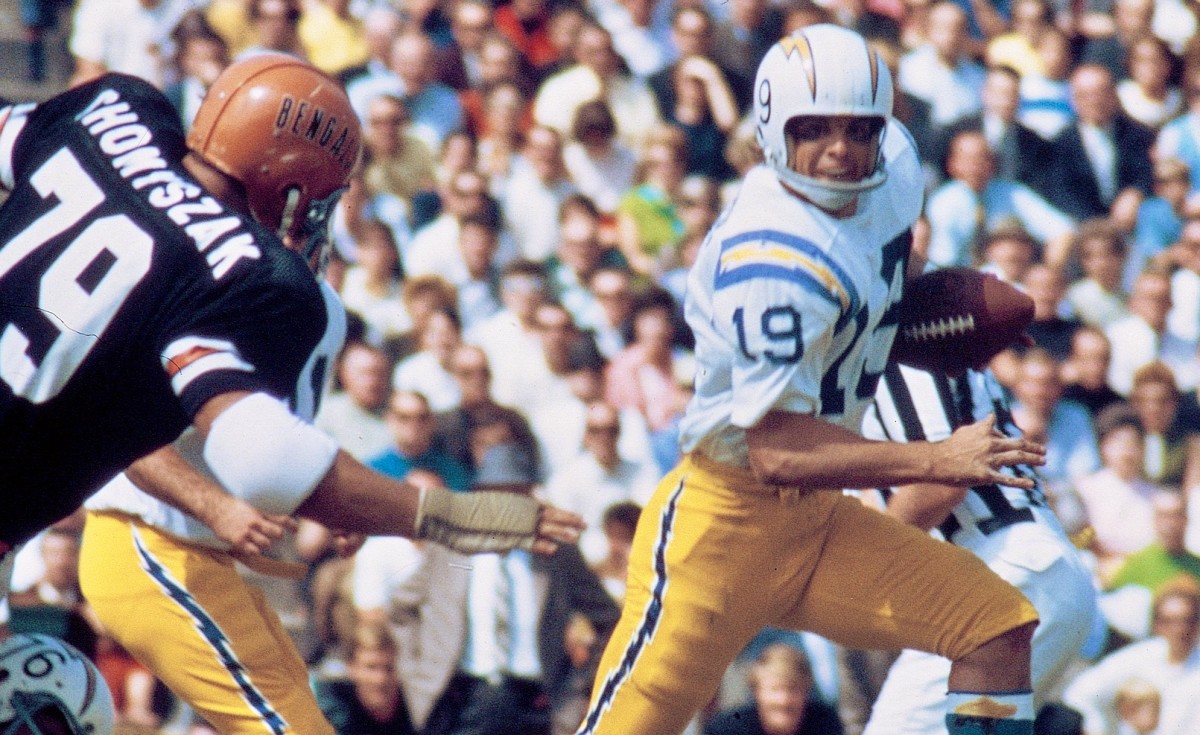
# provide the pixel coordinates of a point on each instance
(718, 556)
(185, 612)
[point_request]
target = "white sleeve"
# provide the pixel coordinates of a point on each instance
(264, 454)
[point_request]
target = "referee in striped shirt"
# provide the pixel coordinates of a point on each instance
(1011, 529)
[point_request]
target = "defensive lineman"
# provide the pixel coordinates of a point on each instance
(792, 300)
(1011, 529)
(148, 283)
(201, 628)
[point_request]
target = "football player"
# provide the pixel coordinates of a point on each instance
(150, 282)
(202, 628)
(1012, 529)
(792, 300)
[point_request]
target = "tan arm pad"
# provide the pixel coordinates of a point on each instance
(477, 522)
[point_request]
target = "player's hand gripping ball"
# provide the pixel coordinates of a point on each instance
(952, 319)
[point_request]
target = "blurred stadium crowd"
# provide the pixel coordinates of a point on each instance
(513, 252)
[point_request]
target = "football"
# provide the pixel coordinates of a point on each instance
(952, 319)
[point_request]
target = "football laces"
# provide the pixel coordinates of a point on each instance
(940, 329)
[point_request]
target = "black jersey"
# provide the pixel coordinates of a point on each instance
(128, 296)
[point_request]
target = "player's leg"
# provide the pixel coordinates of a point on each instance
(913, 699)
(991, 692)
(188, 615)
(912, 591)
(1040, 563)
(1039, 560)
(699, 587)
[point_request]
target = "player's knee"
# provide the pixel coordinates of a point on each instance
(1001, 664)
(1013, 644)
(1020, 637)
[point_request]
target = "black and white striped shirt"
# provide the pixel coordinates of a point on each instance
(914, 405)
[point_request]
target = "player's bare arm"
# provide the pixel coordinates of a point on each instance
(974, 454)
(808, 452)
(170, 478)
(924, 504)
(354, 498)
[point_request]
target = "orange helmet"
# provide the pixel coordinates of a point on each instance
(287, 132)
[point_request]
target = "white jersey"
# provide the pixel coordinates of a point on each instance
(794, 309)
(1011, 529)
(120, 494)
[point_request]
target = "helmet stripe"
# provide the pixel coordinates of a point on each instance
(874, 61)
(89, 689)
(798, 43)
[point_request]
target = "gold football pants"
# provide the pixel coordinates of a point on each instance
(717, 556)
(185, 612)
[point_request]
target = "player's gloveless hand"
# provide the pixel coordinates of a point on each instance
(247, 529)
(347, 543)
(556, 527)
(974, 455)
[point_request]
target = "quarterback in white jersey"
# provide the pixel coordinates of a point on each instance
(1011, 529)
(793, 303)
(789, 300)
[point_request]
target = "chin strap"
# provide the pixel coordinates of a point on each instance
(827, 194)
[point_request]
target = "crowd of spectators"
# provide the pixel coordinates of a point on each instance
(513, 252)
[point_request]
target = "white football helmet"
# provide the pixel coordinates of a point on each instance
(820, 70)
(46, 684)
